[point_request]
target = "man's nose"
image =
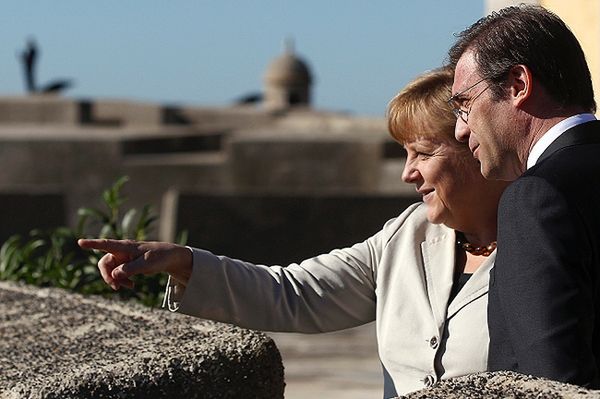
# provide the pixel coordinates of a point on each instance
(462, 131)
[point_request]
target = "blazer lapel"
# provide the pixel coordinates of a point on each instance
(477, 286)
(438, 261)
(584, 133)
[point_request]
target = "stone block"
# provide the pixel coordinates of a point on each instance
(79, 169)
(500, 385)
(57, 344)
(122, 112)
(222, 117)
(153, 175)
(40, 109)
(312, 162)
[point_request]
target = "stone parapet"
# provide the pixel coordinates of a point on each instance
(56, 344)
(123, 113)
(40, 109)
(500, 385)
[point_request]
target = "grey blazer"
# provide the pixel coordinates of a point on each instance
(401, 277)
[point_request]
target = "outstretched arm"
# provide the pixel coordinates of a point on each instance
(325, 293)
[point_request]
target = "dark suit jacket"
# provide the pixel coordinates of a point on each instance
(544, 297)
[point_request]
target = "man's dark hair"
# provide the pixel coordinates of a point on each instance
(535, 37)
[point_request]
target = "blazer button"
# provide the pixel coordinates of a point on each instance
(429, 381)
(434, 343)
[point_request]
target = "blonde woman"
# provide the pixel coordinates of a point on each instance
(423, 278)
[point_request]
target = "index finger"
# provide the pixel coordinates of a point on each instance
(107, 245)
(122, 250)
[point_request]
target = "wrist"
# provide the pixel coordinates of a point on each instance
(182, 270)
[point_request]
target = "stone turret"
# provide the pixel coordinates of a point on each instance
(287, 81)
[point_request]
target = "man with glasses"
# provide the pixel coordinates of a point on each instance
(524, 103)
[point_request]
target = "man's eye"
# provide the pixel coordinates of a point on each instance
(423, 154)
(462, 102)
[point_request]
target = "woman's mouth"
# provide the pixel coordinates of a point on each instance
(427, 196)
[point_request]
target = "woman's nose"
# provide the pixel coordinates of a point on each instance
(461, 131)
(409, 174)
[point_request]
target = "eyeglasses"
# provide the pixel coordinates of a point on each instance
(456, 102)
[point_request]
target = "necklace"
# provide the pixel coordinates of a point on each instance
(484, 250)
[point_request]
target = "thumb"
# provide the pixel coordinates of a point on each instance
(144, 264)
(120, 278)
(122, 274)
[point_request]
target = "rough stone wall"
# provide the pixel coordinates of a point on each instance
(313, 162)
(500, 385)
(54, 344)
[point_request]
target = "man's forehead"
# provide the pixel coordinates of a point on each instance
(466, 71)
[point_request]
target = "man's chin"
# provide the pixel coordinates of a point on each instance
(487, 171)
(495, 173)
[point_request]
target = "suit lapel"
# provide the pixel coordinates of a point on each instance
(438, 261)
(588, 132)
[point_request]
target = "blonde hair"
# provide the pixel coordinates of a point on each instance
(421, 108)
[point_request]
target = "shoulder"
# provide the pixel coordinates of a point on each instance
(413, 224)
(531, 191)
(528, 184)
(535, 210)
(570, 173)
(415, 215)
(573, 157)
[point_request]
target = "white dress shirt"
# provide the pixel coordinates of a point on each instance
(554, 132)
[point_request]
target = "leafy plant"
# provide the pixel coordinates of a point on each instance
(49, 259)
(134, 225)
(53, 258)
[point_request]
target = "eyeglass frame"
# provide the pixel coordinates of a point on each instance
(463, 114)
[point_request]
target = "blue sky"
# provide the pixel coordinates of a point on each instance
(211, 52)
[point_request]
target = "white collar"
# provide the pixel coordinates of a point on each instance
(553, 133)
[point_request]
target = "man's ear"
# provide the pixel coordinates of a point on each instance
(519, 84)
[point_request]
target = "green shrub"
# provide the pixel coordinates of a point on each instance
(53, 258)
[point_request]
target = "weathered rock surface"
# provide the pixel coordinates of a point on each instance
(502, 384)
(55, 344)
